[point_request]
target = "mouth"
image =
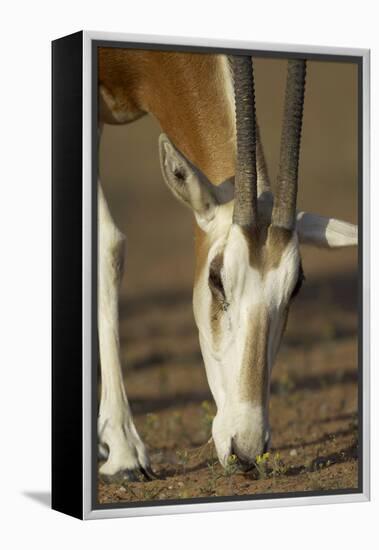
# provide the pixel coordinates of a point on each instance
(243, 463)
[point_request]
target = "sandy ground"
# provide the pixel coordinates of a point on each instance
(313, 408)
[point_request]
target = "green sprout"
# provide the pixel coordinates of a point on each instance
(231, 467)
(278, 467)
(261, 463)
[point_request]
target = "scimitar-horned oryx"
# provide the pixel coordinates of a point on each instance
(248, 264)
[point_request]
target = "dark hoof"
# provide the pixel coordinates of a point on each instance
(141, 474)
(148, 473)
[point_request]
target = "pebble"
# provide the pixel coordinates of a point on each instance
(293, 452)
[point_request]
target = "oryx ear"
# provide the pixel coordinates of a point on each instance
(325, 232)
(186, 182)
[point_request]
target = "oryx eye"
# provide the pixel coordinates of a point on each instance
(299, 282)
(179, 174)
(215, 280)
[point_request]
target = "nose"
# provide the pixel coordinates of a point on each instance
(246, 462)
(243, 433)
(242, 463)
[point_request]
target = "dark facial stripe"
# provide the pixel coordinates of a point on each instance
(254, 370)
(218, 304)
(266, 246)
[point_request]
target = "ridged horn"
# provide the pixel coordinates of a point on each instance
(245, 190)
(284, 212)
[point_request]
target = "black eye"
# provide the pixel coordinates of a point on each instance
(215, 281)
(179, 174)
(299, 282)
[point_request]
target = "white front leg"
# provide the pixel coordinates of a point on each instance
(116, 430)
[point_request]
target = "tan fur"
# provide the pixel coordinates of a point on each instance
(201, 251)
(266, 246)
(254, 372)
(185, 92)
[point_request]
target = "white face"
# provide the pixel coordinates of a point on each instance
(244, 285)
(241, 298)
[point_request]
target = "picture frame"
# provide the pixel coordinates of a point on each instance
(75, 274)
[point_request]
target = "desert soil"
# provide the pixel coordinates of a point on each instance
(313, 406)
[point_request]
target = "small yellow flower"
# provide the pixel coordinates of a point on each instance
(232, 459)
(262, 458)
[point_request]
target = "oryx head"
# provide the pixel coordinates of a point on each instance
(248, 262)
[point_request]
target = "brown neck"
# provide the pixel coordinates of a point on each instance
(189, 94)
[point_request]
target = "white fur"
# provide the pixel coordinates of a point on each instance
(116, 428)
(248, 292)
(325, 232)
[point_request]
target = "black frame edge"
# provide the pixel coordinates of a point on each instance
(67, 184)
